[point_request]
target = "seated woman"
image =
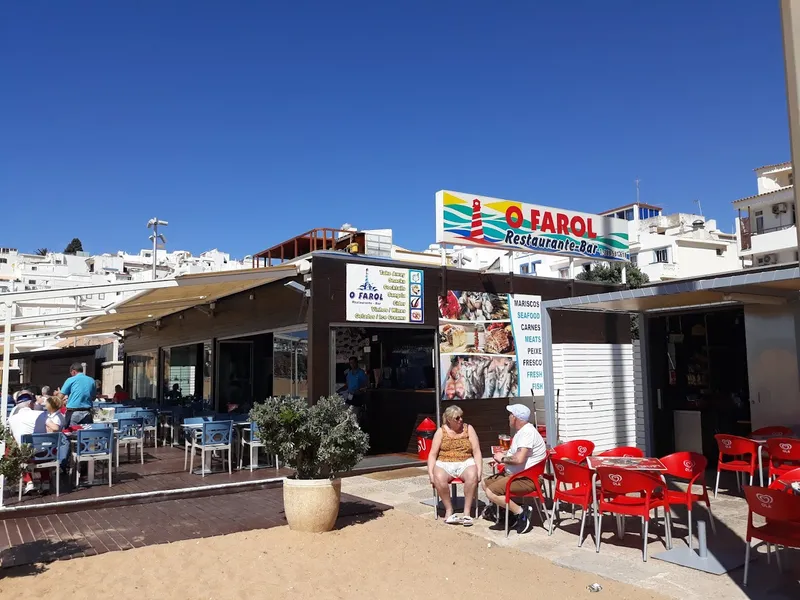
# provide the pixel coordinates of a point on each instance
(55, 419)
(455, 452)
(120, 395)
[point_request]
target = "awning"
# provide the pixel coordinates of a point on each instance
(184, 292)
(762, 286)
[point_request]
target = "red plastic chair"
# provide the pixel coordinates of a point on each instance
(738, 448)
(533, 473)
(579, 492)
(782, 513)
(616, 487)
(623, 452)
(576, 451)
(773, 430)
(784, 456)
(691, 467)
(456, 481)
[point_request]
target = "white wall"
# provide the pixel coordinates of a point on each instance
(598, 395)
(772, 365)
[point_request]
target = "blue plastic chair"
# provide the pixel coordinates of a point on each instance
(190, 435)
(131, 433)
(97, 444)
(215, 436)
(48, 452)
(150, 423)
(251, 438)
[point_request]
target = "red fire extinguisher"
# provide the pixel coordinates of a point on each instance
(425, 433)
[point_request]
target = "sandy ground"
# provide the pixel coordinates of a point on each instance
(391, 556)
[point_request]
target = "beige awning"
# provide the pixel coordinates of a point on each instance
(187, 292)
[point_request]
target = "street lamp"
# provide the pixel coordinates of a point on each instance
(155, 237)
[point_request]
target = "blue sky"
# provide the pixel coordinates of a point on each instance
(245, 123)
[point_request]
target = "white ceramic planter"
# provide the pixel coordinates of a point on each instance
(311, 505)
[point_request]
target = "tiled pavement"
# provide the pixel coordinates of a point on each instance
(24, 541)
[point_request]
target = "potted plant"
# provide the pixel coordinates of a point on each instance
(15, 457)
(319, 442)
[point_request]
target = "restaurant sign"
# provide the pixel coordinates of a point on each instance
(385, 294)
(506, 224)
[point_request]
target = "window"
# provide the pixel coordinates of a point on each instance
(31, 281)
(759, 215)
(142, 375)
(634, 259)
(524, 269)
(720, 252)
(791, 178)
(662, 255)
(629, 214)
(587, 268)
(646, 213)
(3, 261)
(33, 268)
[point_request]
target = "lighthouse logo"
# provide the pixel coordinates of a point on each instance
(367, 286)
(476, 231)
(366, 291)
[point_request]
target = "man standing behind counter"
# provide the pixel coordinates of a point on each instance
(80, 390)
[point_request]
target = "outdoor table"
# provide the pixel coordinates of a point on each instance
(193, 427)
(762, 440)
(631, 463)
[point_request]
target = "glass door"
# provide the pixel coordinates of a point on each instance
(235, 376)
(290, 364)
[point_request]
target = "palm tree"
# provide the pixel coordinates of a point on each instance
(43, 251)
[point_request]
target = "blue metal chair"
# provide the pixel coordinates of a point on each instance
(215, 436)
(48, 452)
(190, 435)
(95, 444)
(131, 433)
(150, 423)
(251, 438)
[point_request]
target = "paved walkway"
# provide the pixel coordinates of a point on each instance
(63, 536)
(618, 559)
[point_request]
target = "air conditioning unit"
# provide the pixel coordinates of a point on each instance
(779, 208)
(768, 259)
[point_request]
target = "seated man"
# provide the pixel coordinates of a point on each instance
(25, 421)
(527, 449)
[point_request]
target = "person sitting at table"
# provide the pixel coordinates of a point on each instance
(25, 421)
(527, 449)
(120, 395)
(24, 398)
(455, 452)
(55, 418)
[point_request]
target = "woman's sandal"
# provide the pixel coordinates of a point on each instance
(453, 520)
(466, 521)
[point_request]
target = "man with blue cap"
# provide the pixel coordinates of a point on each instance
(527, 449)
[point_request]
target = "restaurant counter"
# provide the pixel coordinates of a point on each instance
(392, 416)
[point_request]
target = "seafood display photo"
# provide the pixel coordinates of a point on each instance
(473, 306)
(476, 346)
(472, 377)
(476, 338)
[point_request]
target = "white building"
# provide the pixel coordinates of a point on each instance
(55, 270)
(766, 223)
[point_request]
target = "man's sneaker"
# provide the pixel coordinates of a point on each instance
(524, 523)
(490, 513)
(29, 487)
(501, 523)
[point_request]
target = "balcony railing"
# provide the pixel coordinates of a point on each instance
(771, 229)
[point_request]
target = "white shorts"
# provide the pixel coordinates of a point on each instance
(455, 469)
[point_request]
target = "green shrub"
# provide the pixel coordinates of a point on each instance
(15, 457)
(318, 441)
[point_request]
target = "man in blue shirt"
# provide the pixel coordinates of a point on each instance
(80, 390)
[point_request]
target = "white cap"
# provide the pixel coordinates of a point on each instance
(522, 412)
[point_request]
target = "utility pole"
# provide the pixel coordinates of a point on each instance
(637, 180)
(790, 22)
(155, 237)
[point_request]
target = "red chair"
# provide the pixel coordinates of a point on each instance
(782, 513)
(691, 467)
(576, 451)
(579, 492)
(738, 448)
(456, 481)
(784, 456)
(533, 473)
(623, 452)
(616, 487)
(773, 430)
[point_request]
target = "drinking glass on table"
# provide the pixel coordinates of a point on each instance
(505, 441)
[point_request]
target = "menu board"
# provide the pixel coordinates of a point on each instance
(490, 345)
(385, 294)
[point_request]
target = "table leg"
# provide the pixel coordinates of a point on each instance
(760, 467)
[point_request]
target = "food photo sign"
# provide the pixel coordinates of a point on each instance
(490, 345)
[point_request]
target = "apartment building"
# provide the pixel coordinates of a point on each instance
(766, 221)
